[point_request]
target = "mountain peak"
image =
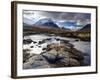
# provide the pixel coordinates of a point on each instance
(46, 22)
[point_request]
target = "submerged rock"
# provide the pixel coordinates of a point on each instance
(36, 61)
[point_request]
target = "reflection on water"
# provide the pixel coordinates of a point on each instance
(85, 47)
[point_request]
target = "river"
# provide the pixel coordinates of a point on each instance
(37, 48)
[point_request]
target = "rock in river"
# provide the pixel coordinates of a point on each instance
(36, 61)
(50, 56)
(62, 56)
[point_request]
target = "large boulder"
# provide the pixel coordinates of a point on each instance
(50, 56)
(62, 55)
(36, 61)
(66, 59)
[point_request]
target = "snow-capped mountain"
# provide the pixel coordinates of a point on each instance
(31, 19)
(46, 22)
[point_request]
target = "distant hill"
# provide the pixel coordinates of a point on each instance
(86, 28)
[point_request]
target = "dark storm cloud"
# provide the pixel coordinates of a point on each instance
(83, 17)
(65, 15)
(54, 15)
(74, 16)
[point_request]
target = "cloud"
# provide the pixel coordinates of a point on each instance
(82, 17)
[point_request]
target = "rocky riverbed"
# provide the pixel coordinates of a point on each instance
(51, 52)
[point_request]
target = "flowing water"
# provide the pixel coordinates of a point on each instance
(37, 48)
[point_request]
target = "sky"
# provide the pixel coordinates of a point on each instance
(59, 15)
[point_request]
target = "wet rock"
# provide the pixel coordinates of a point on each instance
(65, 41)
(57, 47)
(69, 45)
(65, 59)
(26, 55)
(39, 46)
(64, 62)
(63, 54)
(34, 42)
(48, 39)
(50, 56)
(41, 42)
(77, 40)
(79, 54)
(36, 61)
(27, 41)
(51, 46)
(31, 46)
(73, 62)
(57, 39)
(44, 48)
